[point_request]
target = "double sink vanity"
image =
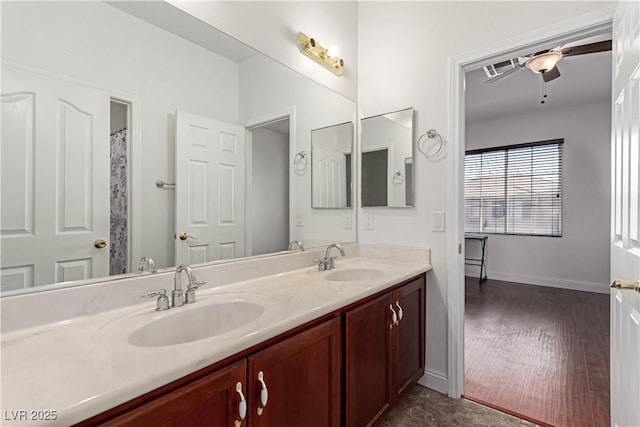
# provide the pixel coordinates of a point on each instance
(268, 341)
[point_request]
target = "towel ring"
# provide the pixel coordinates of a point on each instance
(431, 133)
(398, 178)
(300, 161)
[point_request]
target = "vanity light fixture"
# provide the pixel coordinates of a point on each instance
(315, 51)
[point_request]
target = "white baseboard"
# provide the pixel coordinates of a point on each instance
(575, 285)
(435, 381)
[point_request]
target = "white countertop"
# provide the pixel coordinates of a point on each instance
(86, 365)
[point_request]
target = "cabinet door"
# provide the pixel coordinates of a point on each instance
(408, 335)
(211, 401)
(302, 375)
(368, 351)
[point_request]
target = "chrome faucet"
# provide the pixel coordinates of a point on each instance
(178, 296)
(328, 263)
(147, 264)
(297, 243)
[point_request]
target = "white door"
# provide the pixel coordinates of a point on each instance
(329, 178)
(55, 180)
(625, 246)
(210, 186)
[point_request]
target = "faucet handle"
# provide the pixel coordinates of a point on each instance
(162, 303)
(196, 284)
(322, 263)
(190, 295)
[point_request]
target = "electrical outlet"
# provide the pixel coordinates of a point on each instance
(368, 221)
(347, 221)
(438, 221)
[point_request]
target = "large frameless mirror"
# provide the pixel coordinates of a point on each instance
(133, 129)
(331, 166)
(387, 160)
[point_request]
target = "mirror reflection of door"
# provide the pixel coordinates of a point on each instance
(331, 158)
(375, 165)
(269, 219)
(210, 189)
(55, 180)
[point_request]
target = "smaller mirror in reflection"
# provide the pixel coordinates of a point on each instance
(331, 160)
(387, 160)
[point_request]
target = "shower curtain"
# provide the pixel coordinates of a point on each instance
(119, 232)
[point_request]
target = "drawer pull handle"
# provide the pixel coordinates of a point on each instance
(264, 393)
(399, 311)
(242, 407)
(394, 318)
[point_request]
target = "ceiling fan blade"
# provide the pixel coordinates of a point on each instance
(552, 74)
(587, 48)
(505, 74)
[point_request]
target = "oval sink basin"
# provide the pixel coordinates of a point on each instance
(193, 324)
(354, 275)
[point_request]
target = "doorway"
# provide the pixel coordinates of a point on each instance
(534, 41)
(119, 184)
(268, 227)
(529, 350)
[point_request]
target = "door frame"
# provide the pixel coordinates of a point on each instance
(559, 33)
(134, 175)
(255, 122)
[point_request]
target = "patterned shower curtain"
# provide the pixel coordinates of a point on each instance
(118, 238)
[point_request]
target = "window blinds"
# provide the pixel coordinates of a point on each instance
(515, 189)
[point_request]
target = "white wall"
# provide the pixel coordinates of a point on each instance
(269, 191)
(580, 258)
(266, 89)
(417, 38)
(104, 47)
(272, 28)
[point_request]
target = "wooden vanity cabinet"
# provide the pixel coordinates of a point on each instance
(382, 357)
(345, 370)
(302, 375)
(303, 378)
(367, 361)
(211, 401)
(408, 358)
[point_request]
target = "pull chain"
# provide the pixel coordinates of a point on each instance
(544, 92)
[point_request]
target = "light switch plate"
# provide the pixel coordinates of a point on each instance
(299, 220)
(368, 221)
(438, 221)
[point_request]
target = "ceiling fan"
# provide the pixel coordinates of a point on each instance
(544, 62)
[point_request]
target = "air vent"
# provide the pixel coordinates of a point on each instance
(498, 68)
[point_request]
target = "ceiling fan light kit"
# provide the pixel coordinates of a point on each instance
(544, 62)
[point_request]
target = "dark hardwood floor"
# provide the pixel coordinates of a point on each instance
(539, 353)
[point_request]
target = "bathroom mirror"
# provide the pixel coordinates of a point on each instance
(387, 160)
(331, 166)
(92, 94)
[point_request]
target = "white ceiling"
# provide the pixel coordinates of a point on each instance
(584, 79)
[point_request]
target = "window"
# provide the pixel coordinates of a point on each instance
(515, 189)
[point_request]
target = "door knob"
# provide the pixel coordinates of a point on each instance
(100, 243)
(185, 236)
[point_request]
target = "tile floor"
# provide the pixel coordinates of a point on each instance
(421, 407)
